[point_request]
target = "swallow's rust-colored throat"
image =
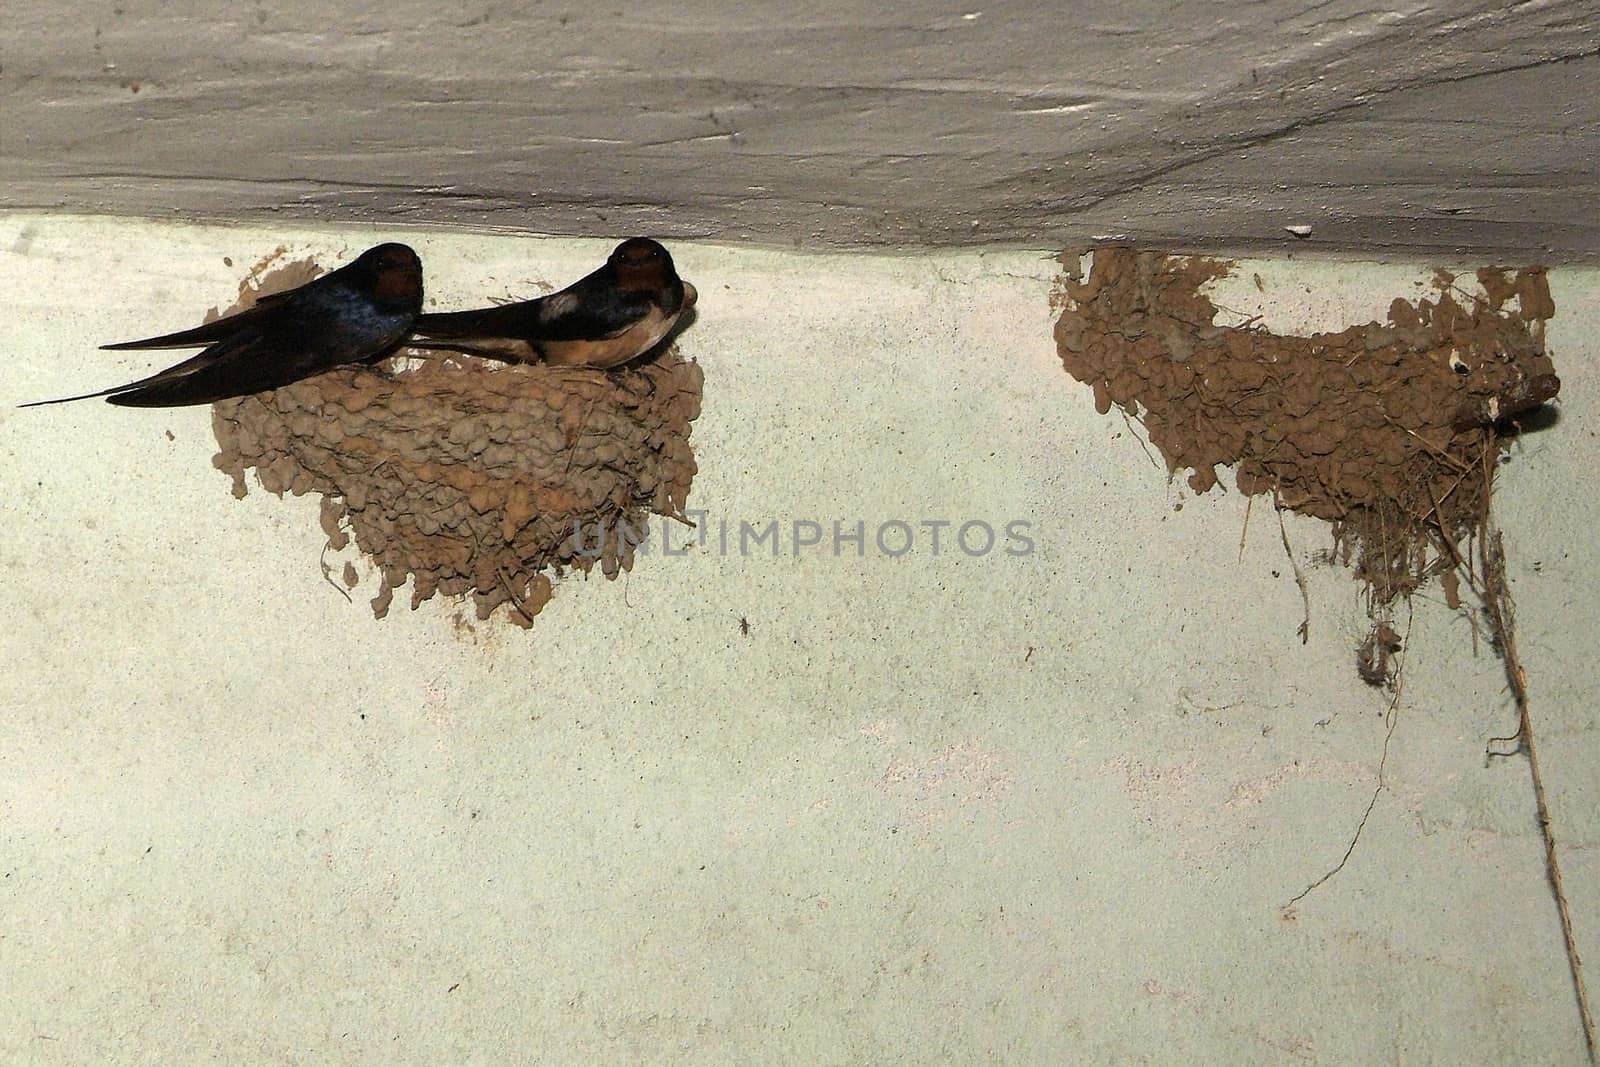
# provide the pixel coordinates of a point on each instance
(398, 283)
(642, 264)
(641, 278)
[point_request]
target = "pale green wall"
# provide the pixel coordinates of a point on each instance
(875, 830)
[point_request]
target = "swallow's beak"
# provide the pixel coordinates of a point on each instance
(690, 295)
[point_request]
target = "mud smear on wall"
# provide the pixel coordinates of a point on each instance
(1390, 431)
(470, 477)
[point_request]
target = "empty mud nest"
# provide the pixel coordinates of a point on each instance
(1391, 431)
(468, 477)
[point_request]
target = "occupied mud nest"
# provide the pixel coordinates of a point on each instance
(1391, 431)
(464, 476)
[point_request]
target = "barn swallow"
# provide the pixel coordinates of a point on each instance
(357, 314)
(615, 314)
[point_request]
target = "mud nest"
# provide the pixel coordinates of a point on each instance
(1391, 431)
(467, 477)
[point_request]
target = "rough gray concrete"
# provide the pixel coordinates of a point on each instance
(1431, 128)
(940, 808)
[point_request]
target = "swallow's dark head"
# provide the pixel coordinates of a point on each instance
(394, 272)
(643, 264)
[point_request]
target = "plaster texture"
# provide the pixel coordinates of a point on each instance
(1046, 808)
(1403, 127)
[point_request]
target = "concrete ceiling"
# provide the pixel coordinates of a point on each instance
(1415, 127)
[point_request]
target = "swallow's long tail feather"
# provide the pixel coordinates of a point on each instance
(238, 374)
(500, 333)
(200, 388)
(511, 320)
(173, 373)
(70, 399)
(201, 335)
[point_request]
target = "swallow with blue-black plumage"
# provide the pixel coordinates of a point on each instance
(616, 314)
(357, 314)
